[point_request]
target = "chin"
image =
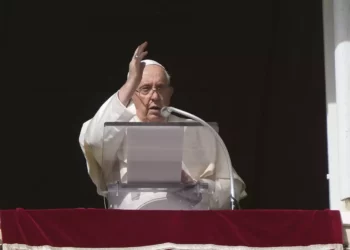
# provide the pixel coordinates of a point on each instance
(156, 119)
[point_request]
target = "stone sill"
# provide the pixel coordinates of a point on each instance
(346, 226)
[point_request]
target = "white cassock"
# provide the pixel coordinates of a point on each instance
(209, 166)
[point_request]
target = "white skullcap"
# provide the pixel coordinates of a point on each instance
(152, 62)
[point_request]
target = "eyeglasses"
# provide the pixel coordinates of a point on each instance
(145, 90)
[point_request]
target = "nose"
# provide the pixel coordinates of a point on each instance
(155, 95)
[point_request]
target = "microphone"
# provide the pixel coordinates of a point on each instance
(166, 112)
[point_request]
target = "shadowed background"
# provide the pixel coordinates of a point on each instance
(256, 68)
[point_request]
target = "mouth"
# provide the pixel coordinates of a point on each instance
(155, 108)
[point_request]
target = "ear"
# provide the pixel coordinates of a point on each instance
(132, 98)
(135, 98)
(138, 102)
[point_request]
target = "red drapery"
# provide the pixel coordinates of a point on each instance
(97, 228)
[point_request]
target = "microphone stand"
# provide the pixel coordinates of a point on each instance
(166, 111)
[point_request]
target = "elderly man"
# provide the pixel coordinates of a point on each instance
(146, 90)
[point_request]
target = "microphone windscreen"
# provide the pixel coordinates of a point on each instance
(165, 112)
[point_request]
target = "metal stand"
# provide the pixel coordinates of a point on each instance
(192, 193)
(155, 187)
(234, 203)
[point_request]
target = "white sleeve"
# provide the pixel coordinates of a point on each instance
(92, 133)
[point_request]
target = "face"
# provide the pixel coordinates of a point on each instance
(152, 94)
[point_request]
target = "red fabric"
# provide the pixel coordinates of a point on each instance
(122, 228)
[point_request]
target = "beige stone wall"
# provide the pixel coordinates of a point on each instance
(346, 203)
(346, 236)
(346, 208)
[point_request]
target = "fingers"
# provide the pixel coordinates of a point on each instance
(140, 49)
(142, 55)
(143, 46)
(135, 65)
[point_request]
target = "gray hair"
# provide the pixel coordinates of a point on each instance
(167, 76)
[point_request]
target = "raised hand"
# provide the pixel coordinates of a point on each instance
(135, 74)
(135, 65)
